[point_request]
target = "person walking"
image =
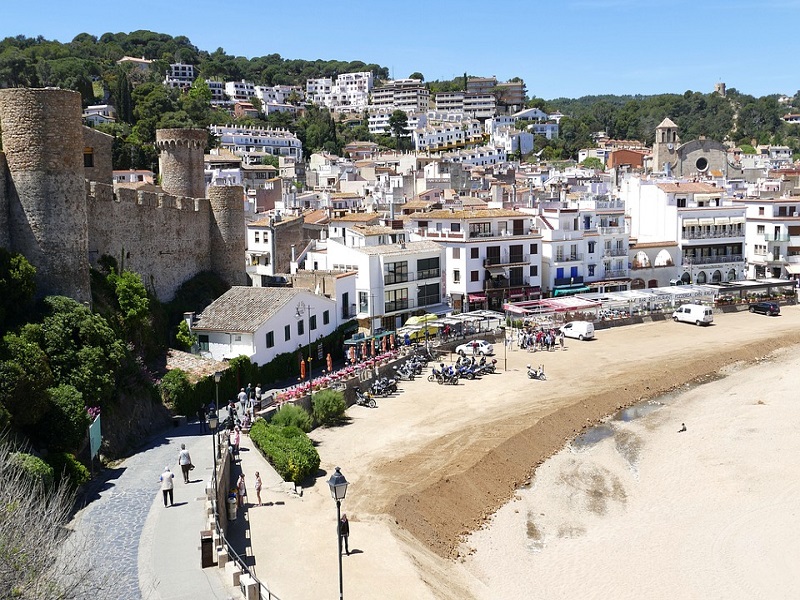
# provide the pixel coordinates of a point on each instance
(258, 488)
(242, 489)
(201, 418)
(236, 439)
(242, 399)
(344, 533)
(166, 485)
(185, 461)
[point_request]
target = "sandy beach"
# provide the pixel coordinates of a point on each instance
(442, 504)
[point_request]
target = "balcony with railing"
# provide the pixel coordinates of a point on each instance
(712, 260)
(397, 279)
(612, 230)
(776, 237)
(616, 273)
(705, 234)
(615, 251)
(507, 258)
(573, 257)
(565, 235)
(501, 283)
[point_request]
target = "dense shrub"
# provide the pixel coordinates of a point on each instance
(288, 449)
(176, 391)
(68, 468)
(63, 427)
(291, 415)
(33, 467)
(329, 406)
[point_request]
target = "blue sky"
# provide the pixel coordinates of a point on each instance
(560, 48)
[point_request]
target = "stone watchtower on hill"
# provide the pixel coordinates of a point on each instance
(60, 210)
(42, 192)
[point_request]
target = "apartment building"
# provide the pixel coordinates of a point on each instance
(491, 255)
(708, 227)
(240, 91)
(253, 143)
(436, 137)
(585, 245)
(219, 96)
(180, 76)
(772, 234)
(278, 94)
(480, 156)
(406, 94)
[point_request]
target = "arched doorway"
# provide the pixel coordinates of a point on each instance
(641, 260)
(686, 278)
(637, 284)
(716, 277)
(732, 275)
(663, 259)
(653, 283)
(701, 277)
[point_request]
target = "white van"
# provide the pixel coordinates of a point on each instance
(581, 330)
(694, 313)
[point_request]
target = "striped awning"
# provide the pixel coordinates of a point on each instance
(706, 221)
(737, 220)
(687, 222)
(722, 220)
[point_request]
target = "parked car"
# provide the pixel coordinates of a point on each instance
(481, 347)
(694, 313)
(581, 330)
(766, 308)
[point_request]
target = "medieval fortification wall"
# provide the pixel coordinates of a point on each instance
(55, 212)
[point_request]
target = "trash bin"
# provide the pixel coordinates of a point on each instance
(206, 549)
(231, 508)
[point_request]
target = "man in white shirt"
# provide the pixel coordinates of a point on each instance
(185, 461)
(166, 485)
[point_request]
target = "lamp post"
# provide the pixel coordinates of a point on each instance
(213, 422)
(338, 485)
(217, 377)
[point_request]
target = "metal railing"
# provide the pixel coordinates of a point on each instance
(780, 237)
(615, 251)
(568, 257)
(710, 260)
(507, 259)
(702, 235)
(264, 592)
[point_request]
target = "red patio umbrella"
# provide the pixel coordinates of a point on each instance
(392, 340)
(372, 344)
(330, 363)
(352, 354)
(383, 344)
(302, 369)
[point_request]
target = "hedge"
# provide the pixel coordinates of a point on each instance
(67, 468)
(288, 449)
(291, 415)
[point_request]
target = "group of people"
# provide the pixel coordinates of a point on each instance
(540, 339)
(241, 490)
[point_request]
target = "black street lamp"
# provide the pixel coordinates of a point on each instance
(213, 422)
(217, 377)
(338, 485)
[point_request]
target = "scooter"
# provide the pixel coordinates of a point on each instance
(537, 373)
(365, 399)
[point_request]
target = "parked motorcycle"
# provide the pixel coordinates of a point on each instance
(537, 373)
(404, 372)
(485, 367)
(365, 399)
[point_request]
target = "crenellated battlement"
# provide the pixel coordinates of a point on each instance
(51, 211)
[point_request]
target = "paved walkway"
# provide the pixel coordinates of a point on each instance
(148, 551)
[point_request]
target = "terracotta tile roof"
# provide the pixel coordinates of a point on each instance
(689, 187)
(244, 309)
(319, 216)
(195, 366)
(358, 217)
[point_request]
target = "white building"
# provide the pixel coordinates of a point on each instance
(449, 135)
(253, 143)
(240, 91)
(219, 96)
(708, 227)
(98, 114)
(772, 234)
(477, 157)
(405, 94)
(512, 140)
(262, 323)
(491, 255)
(180, 76)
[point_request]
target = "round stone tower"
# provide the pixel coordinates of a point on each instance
(181, 161)
(228, 233)
(43, 142)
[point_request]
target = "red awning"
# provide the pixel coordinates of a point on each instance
(476, 298)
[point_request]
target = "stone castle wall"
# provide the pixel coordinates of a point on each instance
(62, 215)
(5, 234)
(47, 222)
(162, 237)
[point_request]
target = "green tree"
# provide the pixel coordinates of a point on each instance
(398, 121)
(17, 287)
(417, 75)
(593, 163)
(25, 375)
(176, 392)
(63, 427)
(329, 406)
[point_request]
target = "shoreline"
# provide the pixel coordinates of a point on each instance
(593, 519)
(442, 525)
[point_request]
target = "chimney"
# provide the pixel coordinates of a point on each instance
(189, 317)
